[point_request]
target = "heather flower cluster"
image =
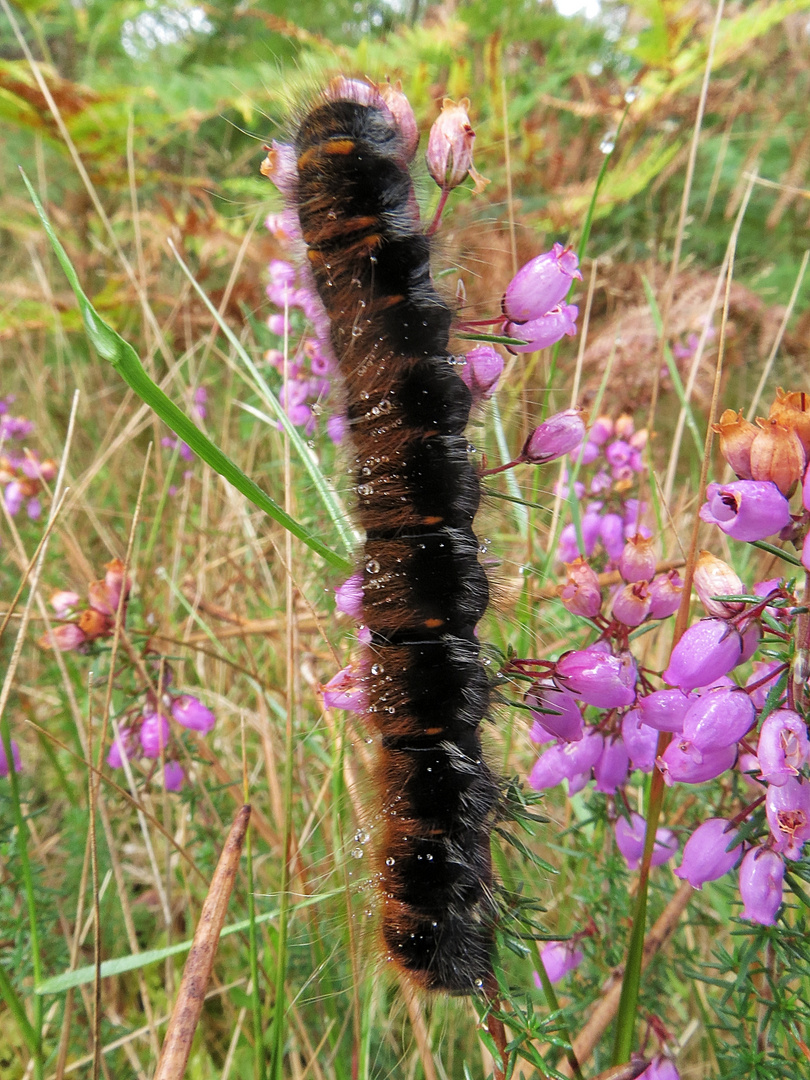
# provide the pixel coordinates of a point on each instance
(22, 473)
(79, 624)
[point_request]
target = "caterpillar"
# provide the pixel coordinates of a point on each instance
(417, 492)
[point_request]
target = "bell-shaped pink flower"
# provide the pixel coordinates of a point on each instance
(555, 712)
(761, 875)
(154, 734)
(545, 331)
(640, 740)
(751, 633)
(611, 533)
(173, 776)
(400, 108)
(665, 595)
(718, 718)
(191, 713)
(783, 746)
(123, 745)
(566, 760)
(681, 762)
(280, 167)
(349, 596)
(554, 437)
(713, 577)
(560, 957)
(660, 1068)
(450, 147)
(581, 594)
(664, 710)
(710, 648)
(599, 678)
(15, 757)
(541, 284)
(344, 691)
(762, 670)
(610, 771)
(64, 638)
(630, 841)
(787, 809)
(63, 602)
(481, 371)
(705, 857)
(631, 604)
(637, 560)
(747, 509)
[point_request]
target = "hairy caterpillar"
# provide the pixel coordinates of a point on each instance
(417, 494)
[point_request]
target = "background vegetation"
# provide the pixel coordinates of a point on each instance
(142, 124)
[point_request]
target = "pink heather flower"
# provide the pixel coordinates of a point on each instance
(637, 560)
(806, 549)
(15, 757)
(281, 169)
(610, 771)
(664, 710)
(66, 637)
(539, 333)
(154, 734)
(599, 678)
(631, 604)
(705, 857)
(713, 577)
(718, 719)
(710, 648)
(541, 284)
(761, 876)
(349, 596)
(482, 370)
(554, 437)
(563, 761)
(581, 594)
(783, 746)
(403, 114)
(681, 762)
(63, 601)
(787, 809)
(559, 957)
(450, 147)
(344, 692)
(121, 747)
(630, 841)
(640, 740)
(611, 532)
(665, 595)
(751, 632)
(601, 430)
(13, 497)
(555, 712)
(336, 427)
(747, 509)
(173, 776)
(660, 1068)
(190, 713)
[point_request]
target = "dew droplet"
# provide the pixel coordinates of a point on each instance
(631, 94)
(390, 860)
(377, 669)
(608, 143)
(372, 566)
(357, 853)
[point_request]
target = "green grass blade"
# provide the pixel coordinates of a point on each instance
(15, 1007)
(124, 359)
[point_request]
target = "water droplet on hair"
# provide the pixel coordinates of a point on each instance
(377, 669)
(357, 853)
(608, 143)
(372, 566)
(390, 860)
(331, 215)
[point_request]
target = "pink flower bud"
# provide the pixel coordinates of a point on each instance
(637, 560)
(783, 746)
(402, 112)
(777, 455)
(64, 638)
(450, 147)
(641, 741)
(746, 510)
(611, 532)
(787, 809)
(599, 678)
(761, 876)
(713, 577)
(482, 370)
(349, 596)
(610, 771)
(559, 957)
(736, 436)
(631, 604)
(343, 691)
(664, 710)
(15, 758)
(555, 712)
(540, 333)
(630, 841)
(189, 712)
(123, 745)
(13, 497)
(707, 650)
(154, 734)
(63, 602)
(681, 762)
(581, 594)
(280, 167)
(718, 719)
(554, 437)
(705, 857)
(173, 776)
(541, 284)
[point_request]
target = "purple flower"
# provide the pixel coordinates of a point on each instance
(719, 718)
(13, 497)
(660, 1068)
(548, 329)
(641, 741)
(555, 712)
(783, 746)
(611, 769)
(541, 284)
(706, 651)
(15, 757)
(121, 747)
(336, 427)
(682, 762)
(482, 371)
(665, 595)
(173, 776)
(599, 678)
(189, 712)
(630, 841)
(559, 957)
(281, 169)
(631, 604)
(585, 454)
(449, 153)
(563, 761)
(761, 876)
(554, 437)
(344, 692)
(637, 560)
(787, 809)
(664, 710)
(705, 857)
(154, 734)
(349, 596)
(747, 509)
(611, 531)
(581, 594)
